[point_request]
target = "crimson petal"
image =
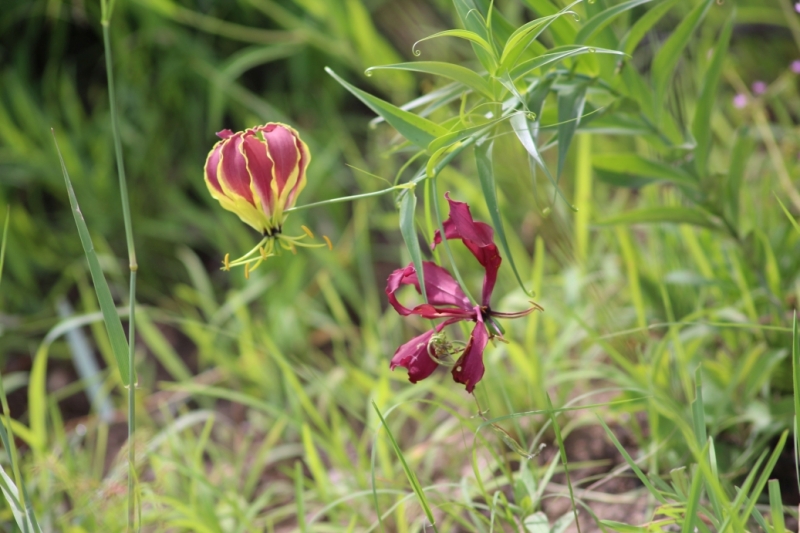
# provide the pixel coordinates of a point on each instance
(469, 367)
(414, 356)
(478, 237)
(441, 288)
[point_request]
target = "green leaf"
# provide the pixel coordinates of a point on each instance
(667, 57)
(742, 149)
(563, 30)
(788, 215)
(3, 242)
(571, 100)
(635, 166)
(636, 470)
(470, 13)
(467, 35)
(416, 129)
(776, 506)
(603, 19)
(701, 126)
(556, 55)
(522, 129)
(653, 215)
(640, 28)
(412, 479)
(408, 204)
(623, 527)
(796, 391)
(758, 488)
(525, 34)
(463, 75)
(693, 503)
(483, 160)
(116, 334)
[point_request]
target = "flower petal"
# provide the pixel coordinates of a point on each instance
(469, 367)
(232, 172)
(260, 167)
(212, 162)
(478, 237)
(441, 288)
(414, 356)
(284, 153)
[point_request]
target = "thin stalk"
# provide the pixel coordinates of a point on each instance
(131, 407)
(346, 198)
(106, 10)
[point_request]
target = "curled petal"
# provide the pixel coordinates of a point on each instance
(233, 174)
(441, 288)
(478, 237)
(469, 367)
(414, 356)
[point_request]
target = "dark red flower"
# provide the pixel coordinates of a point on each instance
(446, 300)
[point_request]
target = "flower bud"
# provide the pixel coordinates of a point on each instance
(258, 173)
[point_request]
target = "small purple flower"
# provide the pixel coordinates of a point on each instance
(797, 7)
(796, 66)
(447, 300)
(759, 87)
(739, 101)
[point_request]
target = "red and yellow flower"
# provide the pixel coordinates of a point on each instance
(258, 174)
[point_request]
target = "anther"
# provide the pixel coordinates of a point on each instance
(307, 231)
(328, 241)
(263, 252)
(247, 271)
(227, 262)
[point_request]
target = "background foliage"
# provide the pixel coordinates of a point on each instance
(668, 291)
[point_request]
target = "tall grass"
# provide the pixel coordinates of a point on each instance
(651, 219)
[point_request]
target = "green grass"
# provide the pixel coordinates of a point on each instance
(663, 247)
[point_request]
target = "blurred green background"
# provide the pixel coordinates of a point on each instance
(252, 376)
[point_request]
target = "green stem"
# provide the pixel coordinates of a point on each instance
(346, 198)
(132, 263)
(131, 406)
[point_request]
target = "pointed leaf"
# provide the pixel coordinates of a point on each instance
(463, 75)
(554, 56)
(467, 35)
(604, 18)
(563, 30)
(570, 108)
(667, 57)
(742, 149)
(408, 204)
(701, 126)
(473, 20)
(640, 28)
(635, 166)
(654, 215)
(416, 129)
(483, 159)
(116, 334)
(525, 34)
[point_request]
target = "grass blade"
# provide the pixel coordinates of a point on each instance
(669, 214)
(701, 126)
(776, 506)
(796, 387)
(412, 478)
(116, 334)
(604, 18)
(563, 452)
(667, 57)
(570, 109)
(408, 204)
(483, 159)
